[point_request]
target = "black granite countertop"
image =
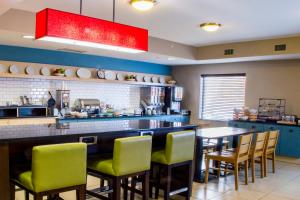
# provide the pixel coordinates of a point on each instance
(14, 133)
(120, 117)
(267, 122)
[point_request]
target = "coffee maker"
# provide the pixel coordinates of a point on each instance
(173, 98)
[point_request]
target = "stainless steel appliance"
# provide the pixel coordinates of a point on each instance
(152, 99)
(63, 99)
(173, 98)
(91, 106)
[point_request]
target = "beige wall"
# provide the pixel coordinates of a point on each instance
(272, 79)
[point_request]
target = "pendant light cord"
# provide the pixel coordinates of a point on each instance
(80, 9)
(114, 10)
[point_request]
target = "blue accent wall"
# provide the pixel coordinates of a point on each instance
(24, 54)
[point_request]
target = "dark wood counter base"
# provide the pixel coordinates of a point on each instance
(15, 151)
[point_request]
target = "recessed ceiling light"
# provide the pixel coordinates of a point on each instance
(210, 27)
(28, 37)
(142, 5)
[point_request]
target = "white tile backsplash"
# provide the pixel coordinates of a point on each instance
(118, 95)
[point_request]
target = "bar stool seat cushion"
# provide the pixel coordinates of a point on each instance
(56, 166)
(25, 180)
(179, 148)
(104, 166)
(131, 155)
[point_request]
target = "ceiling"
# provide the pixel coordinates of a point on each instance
(176, 20)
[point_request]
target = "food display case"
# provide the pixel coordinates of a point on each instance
(271, 109)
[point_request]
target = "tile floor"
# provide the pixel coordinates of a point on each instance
(283, 185)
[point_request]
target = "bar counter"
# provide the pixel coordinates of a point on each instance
(16, 142)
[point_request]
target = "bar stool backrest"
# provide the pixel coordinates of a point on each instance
(132, 154)
(272, 141)
(180, 146)
(260, 143)
(244, 147)
(58, 166)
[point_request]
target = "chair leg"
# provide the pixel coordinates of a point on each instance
(168, 184)
(226, 169)
(38, 196)
(262, 166)
(133, 185)
(273, 161)
(12, 191)
(219, 169)
(157, 184)
(236, 176)
(253, 169)
(246, 171)
(125, 189)
(80, 192)
(206, 170)
(116, 188)
(190, 181)
(265, 165)
(102, 182)
(151, 185)
(26, 195)
(146, 186)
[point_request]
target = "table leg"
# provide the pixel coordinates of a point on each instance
(219, 148)
(220, 144)
(198, 176)
(235, 141)
(4, 172)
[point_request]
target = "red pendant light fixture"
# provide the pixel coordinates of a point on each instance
(69, 28)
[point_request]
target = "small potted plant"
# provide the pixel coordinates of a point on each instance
(130, 77)
(59, 72)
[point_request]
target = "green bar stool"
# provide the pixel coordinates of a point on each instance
(179, 151)
(131, 157)
(55, 169)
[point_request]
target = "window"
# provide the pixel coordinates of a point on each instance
(220, 94)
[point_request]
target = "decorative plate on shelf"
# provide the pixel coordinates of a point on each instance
(14, 69)
(162, 79)
(147, 79)
(154, 79)
(45, 71)
(68, 72)
(2, 68)
(139, 78)
(101, 74)
(110, 75)
(83, 73)
(120, 77)
(30, 70)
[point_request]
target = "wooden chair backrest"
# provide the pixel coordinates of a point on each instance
(272, 140)
(260, 142)
(244, 147)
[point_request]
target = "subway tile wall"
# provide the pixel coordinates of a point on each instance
(118, 95)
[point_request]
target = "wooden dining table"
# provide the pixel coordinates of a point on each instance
(218, 133)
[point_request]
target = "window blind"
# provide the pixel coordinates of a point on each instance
(220, 94)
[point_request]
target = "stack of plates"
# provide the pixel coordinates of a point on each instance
(110, 75)
(83, 73)
(14, 69)
(120, 77)
(45, 71)
(2, 68)
(30, 70)
(147, 79)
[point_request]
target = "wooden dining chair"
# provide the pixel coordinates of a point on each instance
(257, 152)
(270, 150)
(240, 155)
